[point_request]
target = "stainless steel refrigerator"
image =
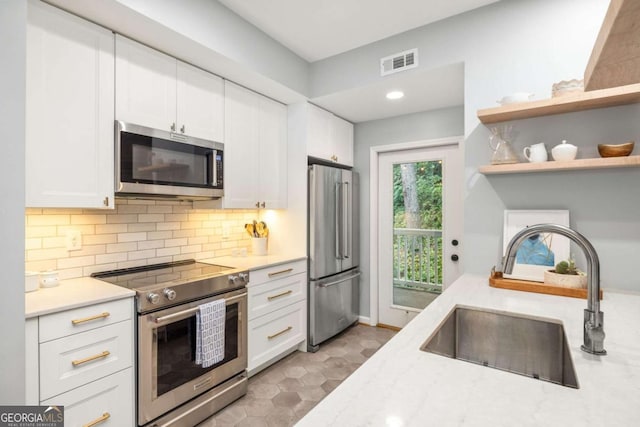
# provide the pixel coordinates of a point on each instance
(333, 252)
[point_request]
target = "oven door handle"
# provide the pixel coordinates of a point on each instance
(190, 311)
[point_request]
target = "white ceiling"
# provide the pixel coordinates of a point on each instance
(317, 29)
(424, 90)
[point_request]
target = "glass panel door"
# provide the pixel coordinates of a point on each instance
(417, 233)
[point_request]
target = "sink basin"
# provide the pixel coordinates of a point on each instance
(533, 347)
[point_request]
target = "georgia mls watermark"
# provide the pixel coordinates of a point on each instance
(31, 416)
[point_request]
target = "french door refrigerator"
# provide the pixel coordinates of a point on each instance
(333, 252)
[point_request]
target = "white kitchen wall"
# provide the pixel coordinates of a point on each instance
(136, 232)
(13, 27)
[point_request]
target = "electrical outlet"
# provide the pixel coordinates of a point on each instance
(74, 240)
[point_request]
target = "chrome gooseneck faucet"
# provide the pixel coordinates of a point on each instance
(593, 317)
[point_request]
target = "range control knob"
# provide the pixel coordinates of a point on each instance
(233, 279)
(244, 277)
(153, 297)
(169, 294)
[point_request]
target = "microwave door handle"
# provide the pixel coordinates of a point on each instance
(213, 165)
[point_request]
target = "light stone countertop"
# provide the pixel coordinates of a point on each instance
(252, 262)
(401, 386)
(72, 293)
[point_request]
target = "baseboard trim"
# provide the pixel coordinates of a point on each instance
(365, 320)
(393, 328)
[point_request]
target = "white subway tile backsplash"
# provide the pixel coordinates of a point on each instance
(88, 219)
(131, 237)
(111, 258)
(121, 247)
(149, 253)
(111, 228)
(136, 232)
(158, 218)
(75, 262)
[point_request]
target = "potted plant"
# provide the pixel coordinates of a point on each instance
(566, 275)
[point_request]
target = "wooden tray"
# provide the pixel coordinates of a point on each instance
(497, 281)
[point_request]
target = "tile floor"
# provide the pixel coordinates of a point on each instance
(283, 393)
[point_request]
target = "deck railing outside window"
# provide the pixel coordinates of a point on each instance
(417, 259)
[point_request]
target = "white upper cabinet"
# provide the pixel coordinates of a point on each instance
(255, 150)
(69, 111)
(200, 103)
(329, 137)
(160, 92)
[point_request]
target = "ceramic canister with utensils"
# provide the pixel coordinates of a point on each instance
(536, 153)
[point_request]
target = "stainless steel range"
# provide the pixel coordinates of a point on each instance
(173, 391)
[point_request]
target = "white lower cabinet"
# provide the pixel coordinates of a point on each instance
(83, 359)
(277, 313)
(106, 402)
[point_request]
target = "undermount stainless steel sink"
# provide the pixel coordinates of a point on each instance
(536, 348)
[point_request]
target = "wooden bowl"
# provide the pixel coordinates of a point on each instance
(615, 150)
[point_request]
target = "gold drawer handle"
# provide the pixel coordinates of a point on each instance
(284, 331)
(272, 297)
(288, 270)
(97, 421)
(90, 318)
(91, 358)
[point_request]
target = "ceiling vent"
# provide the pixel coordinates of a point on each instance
(399, 62)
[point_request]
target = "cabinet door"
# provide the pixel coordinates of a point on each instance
(106, 402)
(242, 156)
(145, 86)
(200, 103)
(69, 111)
(273, 154)
(342, 141)
(319, 134)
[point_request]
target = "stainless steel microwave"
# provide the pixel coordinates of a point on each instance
(156, 164)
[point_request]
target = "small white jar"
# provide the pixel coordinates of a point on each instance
(49, 279)
(564, 152)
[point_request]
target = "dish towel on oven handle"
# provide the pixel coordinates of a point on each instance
(210, 319)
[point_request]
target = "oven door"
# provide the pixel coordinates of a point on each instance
(167, 373)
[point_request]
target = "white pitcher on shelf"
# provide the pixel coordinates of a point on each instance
(536, 153)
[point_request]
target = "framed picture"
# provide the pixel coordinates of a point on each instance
(539, 252)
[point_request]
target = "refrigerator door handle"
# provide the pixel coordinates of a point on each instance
(326, 285)
(346, 247)
(338, 220)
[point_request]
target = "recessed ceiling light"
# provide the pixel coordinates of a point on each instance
(396, 94)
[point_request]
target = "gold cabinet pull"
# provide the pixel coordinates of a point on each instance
(288, 270)
(91, 358)
(99, 420)
(284, 331)
(272, 297)
(90, 318)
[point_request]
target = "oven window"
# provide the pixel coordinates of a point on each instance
(176, 344)
(150, 160)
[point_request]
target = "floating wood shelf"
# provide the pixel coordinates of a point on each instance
(551, 166)
(579, 101)
(537, 287)
(162, 167)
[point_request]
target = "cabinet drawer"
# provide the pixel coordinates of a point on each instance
(277, 272)
(273, 334)
(112, 395)
(270, 296)
(75, 360)
(82, 319)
